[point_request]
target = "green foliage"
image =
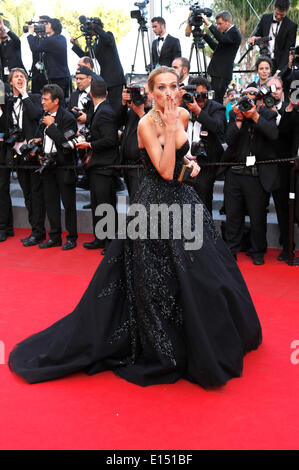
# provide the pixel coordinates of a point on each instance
(116, 21)
(16, 13)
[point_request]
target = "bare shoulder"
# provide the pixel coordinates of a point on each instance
(184, 116)
(146, 128)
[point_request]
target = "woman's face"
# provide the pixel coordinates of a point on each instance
(165, 86)
(264, 70)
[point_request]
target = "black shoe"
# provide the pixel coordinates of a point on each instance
(87, 206)
(10, 233)
(258, 260)
(2, 236)
(69, 245)
(283, 256)
(103, 252)
(93, 245)
(50, 243)
(32, 241)
(25, 239)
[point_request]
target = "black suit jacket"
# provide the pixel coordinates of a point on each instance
(32, 112)
(10, 53)
(104, 138)
(286, 38)
(106, 53)
(55, 54)
(262, 145)
(64, 121)
(129, 150)
(213, 120)
(225, 50)
(171, 49)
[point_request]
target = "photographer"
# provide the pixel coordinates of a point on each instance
(6, 214)
(291, 73)
(10, 51)
(225, 49)
(59, 183)
(101, 150)
(286, 147)
(38, 72)
(135, 103)
(80, 100)
(282, 32)
(54, 50)
(23, 113)
(166, 48)
(106, 53)
(250, 137)
(211, 118)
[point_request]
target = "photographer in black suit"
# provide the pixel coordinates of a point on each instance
(6, 213)
(166, 48)
(54, 50)
(23, 113)
(282, 32)
(106, 53)
(101, 150)
(228, 39)
(10, 51)
(250, 137)
(59, 183)
(209, 116)
(135, 103)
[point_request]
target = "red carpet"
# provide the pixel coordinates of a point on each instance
(258, 411)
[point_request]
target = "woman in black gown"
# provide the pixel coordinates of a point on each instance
(154, 311)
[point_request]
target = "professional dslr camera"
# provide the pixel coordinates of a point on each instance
(48, 161)
(78, 112)
(265, 94)
(73, 139)
(192, 93)
(196, 18)
(137, 93)
(198, 149)
(30, 151)
(245, 104)
(15, 134)
(39, 29)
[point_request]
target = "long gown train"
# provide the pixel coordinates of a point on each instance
(154, 312)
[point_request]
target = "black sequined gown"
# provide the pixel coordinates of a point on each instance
(153, 312)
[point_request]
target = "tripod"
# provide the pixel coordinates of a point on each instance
(198, 46)
(142, 31)
(91, 53)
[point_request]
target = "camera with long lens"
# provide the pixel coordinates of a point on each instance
(192, 93)
(196, 18)
(141, 14)
(265, 93)
(30, 151)
(39, 29)
(295, 53)
(15, 134)
(48, 161)
(87, 24)
(199, 149)
(263, 44)
(137, 94)
(72, 139)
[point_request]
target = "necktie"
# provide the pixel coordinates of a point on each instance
(161, 39)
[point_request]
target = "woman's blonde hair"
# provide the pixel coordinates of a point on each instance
(158, 71)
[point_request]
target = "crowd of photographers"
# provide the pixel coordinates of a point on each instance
(55, 134)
